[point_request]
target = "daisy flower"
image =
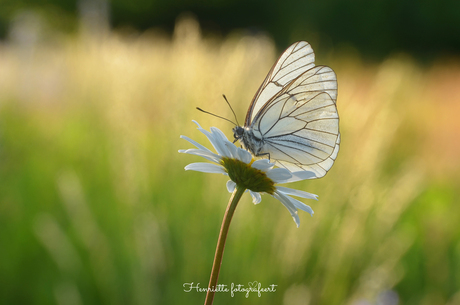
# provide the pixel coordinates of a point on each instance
(246, 174)
(256, 176)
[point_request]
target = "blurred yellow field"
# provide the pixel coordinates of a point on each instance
(95, 207)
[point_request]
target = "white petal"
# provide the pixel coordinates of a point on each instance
(298, 193)
(231, 186)
(285, 200)
(202, 153)
(232, 149)
(206, 168)
(221, 143)
(256, 198)
(194, 143)
(197, 124)
(294, 202)
(262, 164)
(218, 133)
(301, 175)
(216, 141)
(279, 175)
(300, 205)
(222, 149)
(296, 219)
(244, 155)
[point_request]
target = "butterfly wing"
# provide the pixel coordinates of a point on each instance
(297, 59)
(320, 169)
(300, 124)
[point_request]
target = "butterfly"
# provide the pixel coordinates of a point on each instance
(293, 117)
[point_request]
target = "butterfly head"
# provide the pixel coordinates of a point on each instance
(238, 133)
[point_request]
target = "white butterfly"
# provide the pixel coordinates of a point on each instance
(293, 117)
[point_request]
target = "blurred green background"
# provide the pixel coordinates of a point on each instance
(95, 205)
(377, 28)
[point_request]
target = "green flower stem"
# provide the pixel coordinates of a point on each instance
(236, 196)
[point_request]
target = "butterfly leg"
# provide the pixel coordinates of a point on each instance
(264, 154)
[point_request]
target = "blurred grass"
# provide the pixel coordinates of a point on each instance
(95, 207)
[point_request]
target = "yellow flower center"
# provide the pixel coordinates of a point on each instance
(248, 177)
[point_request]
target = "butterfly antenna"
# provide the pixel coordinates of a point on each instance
(236, 119)
(215, 115)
